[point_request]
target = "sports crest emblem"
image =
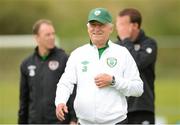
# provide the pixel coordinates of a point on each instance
(149, 50)
(97, 12)
(31, 69)
(111, 62)
(137, 47)
(53, 65)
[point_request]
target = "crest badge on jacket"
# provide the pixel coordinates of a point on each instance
(111, 62)
(53, 65)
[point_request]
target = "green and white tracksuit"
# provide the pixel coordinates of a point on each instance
(105, 105)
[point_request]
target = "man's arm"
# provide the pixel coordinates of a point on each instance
(23, 99)
(130, 84)
(65, 88)
(72, 114)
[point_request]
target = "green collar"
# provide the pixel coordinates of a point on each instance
(44, 58)
(101, 50)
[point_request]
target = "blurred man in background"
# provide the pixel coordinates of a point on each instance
(40, 73)
(104, 74)
(144, 51)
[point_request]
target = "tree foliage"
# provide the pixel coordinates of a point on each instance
(70, 16)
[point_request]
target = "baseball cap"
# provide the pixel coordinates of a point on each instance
(100, 15)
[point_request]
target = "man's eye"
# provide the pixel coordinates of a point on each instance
(93, 24)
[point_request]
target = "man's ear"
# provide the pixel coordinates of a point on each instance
(36, 38)
(135, 25)
(112, 27)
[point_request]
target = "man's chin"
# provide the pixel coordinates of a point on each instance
(51, 47)
(97, 40)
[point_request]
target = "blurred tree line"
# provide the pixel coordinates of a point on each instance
(70, 16)
(17, 16)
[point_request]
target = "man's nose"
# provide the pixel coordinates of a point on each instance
(52, 36)
(97, 27)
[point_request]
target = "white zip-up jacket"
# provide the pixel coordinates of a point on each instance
(105, 105)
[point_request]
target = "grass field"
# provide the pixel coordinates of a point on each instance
(9, 103)
(167, 101)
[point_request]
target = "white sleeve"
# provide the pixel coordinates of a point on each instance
(130, 84)
(66, 83)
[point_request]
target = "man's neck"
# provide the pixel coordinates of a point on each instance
(42, 51)
(101, 44)
(135, 35)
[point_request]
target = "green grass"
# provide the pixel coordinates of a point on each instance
(8, 103)
(168, 99)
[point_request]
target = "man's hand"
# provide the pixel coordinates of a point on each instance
(103, 80)
(73, 123)
(61, 109)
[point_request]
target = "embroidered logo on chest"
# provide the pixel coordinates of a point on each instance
(149, 50)
(111, 62)
(84, 66)
(53, 65)
(31, 69)
(137, 47)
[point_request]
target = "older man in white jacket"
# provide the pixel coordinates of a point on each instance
(105, 73)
